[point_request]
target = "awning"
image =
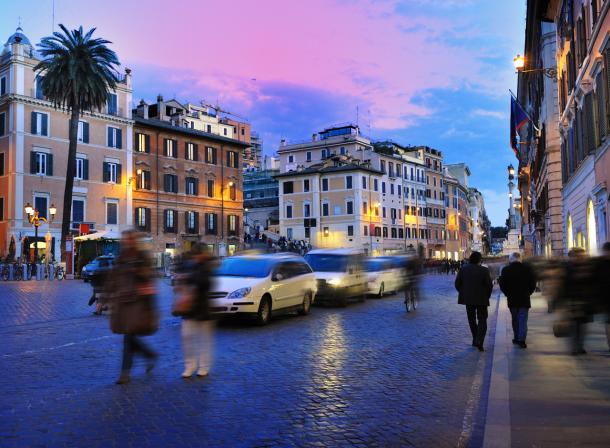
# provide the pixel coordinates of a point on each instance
(101, 235)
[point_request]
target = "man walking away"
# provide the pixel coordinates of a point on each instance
(518, 282)
(602, 285)
(474, 285)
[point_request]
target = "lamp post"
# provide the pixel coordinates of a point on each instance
(36, 220)
(519, 63)
(511, 186)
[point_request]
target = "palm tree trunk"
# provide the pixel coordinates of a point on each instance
(67, 206)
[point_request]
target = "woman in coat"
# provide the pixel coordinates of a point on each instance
(133, 303)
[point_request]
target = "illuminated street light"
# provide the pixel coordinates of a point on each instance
(519, 62)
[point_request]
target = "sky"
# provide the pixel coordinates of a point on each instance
(419, 72)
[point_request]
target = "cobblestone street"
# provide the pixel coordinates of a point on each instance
(366, 375)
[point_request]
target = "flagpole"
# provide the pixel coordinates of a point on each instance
(524, 110)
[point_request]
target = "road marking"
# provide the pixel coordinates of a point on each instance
(497, 422)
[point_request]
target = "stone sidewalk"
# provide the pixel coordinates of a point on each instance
(543, 396)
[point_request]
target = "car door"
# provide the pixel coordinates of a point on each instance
(280, 286)
(299, 282)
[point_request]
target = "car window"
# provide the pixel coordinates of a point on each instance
(328, 262)
(244, 267)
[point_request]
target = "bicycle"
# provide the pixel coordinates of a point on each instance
(18, 271)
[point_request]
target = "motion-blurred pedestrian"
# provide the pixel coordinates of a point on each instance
(474, 285)
(132, 294)
(602, 285)
(194, 282)
(518, 282)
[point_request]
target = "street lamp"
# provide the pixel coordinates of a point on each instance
(511, 171)
(36, 220)
(519, 63)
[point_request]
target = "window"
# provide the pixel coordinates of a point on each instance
(142, 142)
(41, 163)
(225, 131)
(40, 124)
(366, 231)
(306, 185)
(142, 218)
(308, 156)
(382, 166)
(390, 169)
(350, 230)
(288, 187)
(385, 232)
(143, 180)
(324, 153)
(170, 221)
(78, 210)
(209, 128)
(83, 132)
(401, 234)
(365, 208)
(364, 182)
(290, 159)
(191, 222)
(326, 231)
(306, 210)
(115, 137)
(1, 164)
(112, 104)
(232, 159)
(348, 182)
(232, 225)
(324, 184)
(391, 188)
(307, 232)
(170, 148)
(383, 187)
(289, 211)
(349, 207)
(2, 124)
(393, 232)
(191, 186)
(384, 212)
(41, 204)
(211, 220)
(210, 188)
(170, 183)
(210, 155)
(82, 169)
(112, 172)
(1, 209)
(289, 233)
(3, 85)
(190, 151)
(39, 92)
(375, 185)
(325, 209)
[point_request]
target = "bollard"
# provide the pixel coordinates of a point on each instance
(51, 272)
(39, 271)
(11, 272)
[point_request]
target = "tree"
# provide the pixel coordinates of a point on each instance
(78, 73)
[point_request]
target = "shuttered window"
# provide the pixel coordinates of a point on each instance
(83, 132)
(191, 222)
(589, 124)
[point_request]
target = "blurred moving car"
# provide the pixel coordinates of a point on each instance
(339, 274)
(101, 263)
(262, 286)
(384, 274)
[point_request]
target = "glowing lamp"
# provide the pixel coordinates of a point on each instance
(519, 62)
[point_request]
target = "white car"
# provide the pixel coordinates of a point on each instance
(383, 276)
(262, 286)
(339, 274)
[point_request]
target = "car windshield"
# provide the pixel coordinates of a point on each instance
(327, 262)
(244, 267)
(376, 265)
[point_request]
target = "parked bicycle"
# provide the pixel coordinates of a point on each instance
(57, 269)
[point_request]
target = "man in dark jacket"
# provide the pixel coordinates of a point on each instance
(518, 282)
(602, 285)
(474, 285)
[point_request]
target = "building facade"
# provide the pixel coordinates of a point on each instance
(261, 200)
(34, 152)
(435, 199)
(187, 183)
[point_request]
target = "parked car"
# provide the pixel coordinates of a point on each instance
(339, 275)
(100, 263)
(384, 275)
(262, 286)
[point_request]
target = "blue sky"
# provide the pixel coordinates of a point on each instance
(420, 72)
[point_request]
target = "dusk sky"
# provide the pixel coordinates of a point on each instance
(419, 72)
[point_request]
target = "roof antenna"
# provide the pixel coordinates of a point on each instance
(53, 18)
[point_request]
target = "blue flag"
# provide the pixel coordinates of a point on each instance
(518, 119)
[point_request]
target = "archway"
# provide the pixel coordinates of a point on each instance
(570, 233)
(591, 228)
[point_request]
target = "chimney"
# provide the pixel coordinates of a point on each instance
(314, 137)
(283, 142)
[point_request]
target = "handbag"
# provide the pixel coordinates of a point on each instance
(184, 300)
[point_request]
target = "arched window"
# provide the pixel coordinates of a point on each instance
(570, 233)
(591, 228)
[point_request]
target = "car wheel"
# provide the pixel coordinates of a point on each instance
(264, 311)
(304, 311)
(381, 291)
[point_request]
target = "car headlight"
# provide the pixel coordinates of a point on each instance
(85, 269)
(239, 293)
(335, 281)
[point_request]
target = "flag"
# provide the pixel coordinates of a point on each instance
(518, 119)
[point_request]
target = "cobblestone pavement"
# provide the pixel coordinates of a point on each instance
(366, 375)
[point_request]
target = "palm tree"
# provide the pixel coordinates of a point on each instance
(79, 72)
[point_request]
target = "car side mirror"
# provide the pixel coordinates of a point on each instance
(277, 277)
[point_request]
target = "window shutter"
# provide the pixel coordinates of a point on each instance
(196, 222)
(147, 143)
(165, 147)
(118, 173)
(109, 137)
(175, 183)
(85, 132)
(186, 150)
(175, 148)
(237, 225)
(195, 152)
(175, 215)
(165, 220)
(215, 223)
(49, 164)
(34, 123)
(119, 138)
(33, 162)
(228, 154)
(186, 222)
(147, 218)
(601, 106)
(135, 217)
(196, 182)
(607, 85)
(147, 180)
(214, 159)
(106, 172)
(85, 169)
